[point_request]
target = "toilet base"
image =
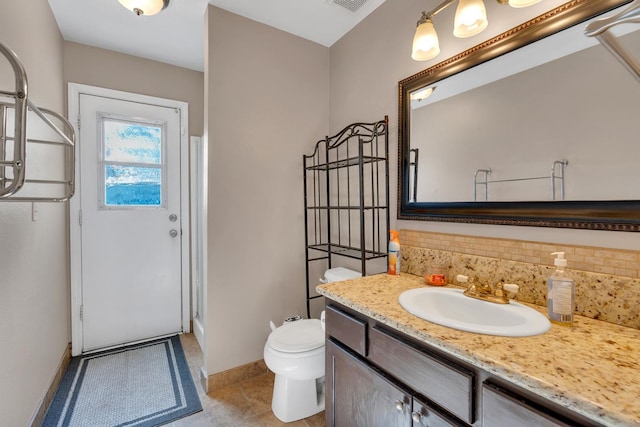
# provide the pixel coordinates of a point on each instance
(297, 399)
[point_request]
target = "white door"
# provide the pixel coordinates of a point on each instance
(130, 220)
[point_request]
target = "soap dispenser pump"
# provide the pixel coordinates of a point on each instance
(561, 292)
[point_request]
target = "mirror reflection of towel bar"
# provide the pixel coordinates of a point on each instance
(556, 177)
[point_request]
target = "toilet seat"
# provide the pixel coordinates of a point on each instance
(298, 336)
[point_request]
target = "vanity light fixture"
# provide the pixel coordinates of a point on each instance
(145, 7)
(470, 19)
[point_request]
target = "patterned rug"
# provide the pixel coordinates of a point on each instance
(147, 384)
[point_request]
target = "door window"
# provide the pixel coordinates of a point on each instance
(132, 163)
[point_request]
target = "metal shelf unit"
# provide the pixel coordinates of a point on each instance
(346, 200)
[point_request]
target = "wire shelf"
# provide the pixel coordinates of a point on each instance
(346, 200)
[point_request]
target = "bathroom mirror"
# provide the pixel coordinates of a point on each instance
(511, 135)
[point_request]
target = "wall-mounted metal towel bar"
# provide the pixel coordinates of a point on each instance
(556, 176)
(31, 178)
(600, 30)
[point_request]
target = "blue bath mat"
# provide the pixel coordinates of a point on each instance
(147, 384)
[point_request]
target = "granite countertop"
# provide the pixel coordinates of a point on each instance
(591, 367)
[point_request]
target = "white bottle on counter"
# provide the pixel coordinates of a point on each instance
(394, 253)
(561, 292)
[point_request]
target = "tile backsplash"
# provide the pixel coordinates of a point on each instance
(607, 280)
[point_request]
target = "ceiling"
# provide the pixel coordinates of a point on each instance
(176, 35)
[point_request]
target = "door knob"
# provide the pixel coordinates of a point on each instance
(173, 233)
(399, 406)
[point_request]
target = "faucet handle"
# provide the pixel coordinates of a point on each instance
(511, 287)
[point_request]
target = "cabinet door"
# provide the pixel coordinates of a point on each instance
(359, 396)
(424, 415)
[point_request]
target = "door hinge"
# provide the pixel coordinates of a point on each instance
(82, 312)
(78, 121)
(80, 217)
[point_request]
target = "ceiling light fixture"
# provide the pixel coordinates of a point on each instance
(422, 94)
(519, 3)
(145, 7)
(470, 19)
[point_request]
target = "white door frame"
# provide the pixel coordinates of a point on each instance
(73, 96)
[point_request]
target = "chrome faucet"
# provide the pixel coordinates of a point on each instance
(498, 294)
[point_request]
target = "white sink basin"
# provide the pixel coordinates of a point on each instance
(449, 307)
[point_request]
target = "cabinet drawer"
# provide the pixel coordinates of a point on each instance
(504, 408)
(445, 383)
(347, 329)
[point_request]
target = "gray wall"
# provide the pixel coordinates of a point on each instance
(34, 281)
(368, 62)
(267, 103)
(104, 68)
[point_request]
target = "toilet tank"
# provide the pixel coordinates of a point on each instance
(340, 273)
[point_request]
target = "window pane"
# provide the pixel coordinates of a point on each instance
(129, 185)
(132, 143)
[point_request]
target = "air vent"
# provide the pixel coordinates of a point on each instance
(352, 5)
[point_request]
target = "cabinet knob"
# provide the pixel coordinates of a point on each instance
(400, 405)
(416, 417)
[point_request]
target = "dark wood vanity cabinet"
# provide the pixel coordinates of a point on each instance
(373, 379)
(363, 396)
(378, 377)
(447, 384)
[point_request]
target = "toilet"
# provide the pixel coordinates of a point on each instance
(295, 353)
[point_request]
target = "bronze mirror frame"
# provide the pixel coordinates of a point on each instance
(614, 215)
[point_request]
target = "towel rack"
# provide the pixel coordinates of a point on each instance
(600, 30)
(14, 143)
(556, 175)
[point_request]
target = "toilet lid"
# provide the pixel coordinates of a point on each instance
(298, 336)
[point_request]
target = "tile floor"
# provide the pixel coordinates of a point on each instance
(245, 404)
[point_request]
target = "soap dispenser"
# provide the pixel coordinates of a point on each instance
(561, 292)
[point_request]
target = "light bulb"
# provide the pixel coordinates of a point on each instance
(425, 42)
(471, 18)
